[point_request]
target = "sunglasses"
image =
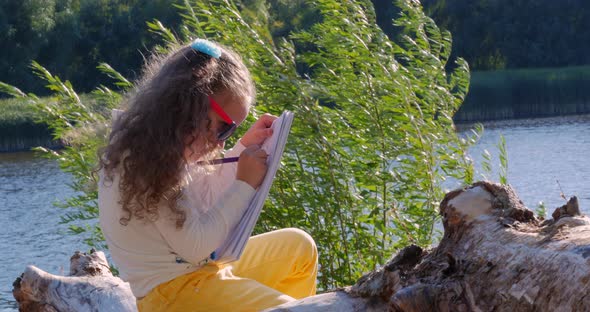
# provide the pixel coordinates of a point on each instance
(230, 125)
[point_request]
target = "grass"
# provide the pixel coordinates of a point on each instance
(524, 93)
(15, 112)
(18, 129)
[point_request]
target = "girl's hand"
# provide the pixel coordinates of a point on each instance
(252, 166)
(259, 131)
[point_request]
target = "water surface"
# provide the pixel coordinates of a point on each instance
(29, 225)
(540, 152)
(545, 157)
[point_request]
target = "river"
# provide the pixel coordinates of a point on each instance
(540, 153)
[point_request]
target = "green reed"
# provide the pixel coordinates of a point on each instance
(526, 93)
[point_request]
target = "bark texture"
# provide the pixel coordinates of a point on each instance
(494, 256)
(90, 287)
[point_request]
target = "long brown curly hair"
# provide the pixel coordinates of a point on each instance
(166, 112)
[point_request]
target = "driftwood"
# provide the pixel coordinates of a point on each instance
(90, 287)
(494, 256)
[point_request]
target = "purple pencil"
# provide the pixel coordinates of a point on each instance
(219, 161)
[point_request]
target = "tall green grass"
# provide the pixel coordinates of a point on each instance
(526, 93)
(21, 127)
(15, 111)
(18, 129)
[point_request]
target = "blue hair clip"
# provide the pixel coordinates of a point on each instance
(207, 47)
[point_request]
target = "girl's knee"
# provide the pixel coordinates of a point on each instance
(303, 241)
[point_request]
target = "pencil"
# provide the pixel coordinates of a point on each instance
(218, 161)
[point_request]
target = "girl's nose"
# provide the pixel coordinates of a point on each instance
(221, 144)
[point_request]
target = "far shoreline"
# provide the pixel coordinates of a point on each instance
(493, 96)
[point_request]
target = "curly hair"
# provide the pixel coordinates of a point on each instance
(166, 112)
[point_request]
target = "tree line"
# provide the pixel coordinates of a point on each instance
(71, 37)
(505, 34)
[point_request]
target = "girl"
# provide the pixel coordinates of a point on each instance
(163, 212)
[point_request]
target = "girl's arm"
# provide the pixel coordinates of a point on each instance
(207, 187)
(203, 232)
(256, 135)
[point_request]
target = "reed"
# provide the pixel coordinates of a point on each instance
(15, 111)
(18, 129)
(526, 93)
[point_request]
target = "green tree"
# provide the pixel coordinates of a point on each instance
(71, 37)
(516, 34)
(373, 138)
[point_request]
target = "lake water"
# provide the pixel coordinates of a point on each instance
(540, 152)
(30, 232)
(545, 157)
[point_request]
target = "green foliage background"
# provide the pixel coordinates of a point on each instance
(70, 36)
(373, 138)
(521, 43)
(505, 34)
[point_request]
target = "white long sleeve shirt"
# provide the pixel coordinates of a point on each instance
(150, 253)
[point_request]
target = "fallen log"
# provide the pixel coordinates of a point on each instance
(495, 255)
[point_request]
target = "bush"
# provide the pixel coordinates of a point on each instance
(373, 138)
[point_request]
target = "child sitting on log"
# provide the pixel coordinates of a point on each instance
(163, 212)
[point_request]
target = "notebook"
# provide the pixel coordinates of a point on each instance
(231, 249)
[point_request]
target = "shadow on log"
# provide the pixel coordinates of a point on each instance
(494, 256)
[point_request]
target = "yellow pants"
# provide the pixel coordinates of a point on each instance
(275, 268)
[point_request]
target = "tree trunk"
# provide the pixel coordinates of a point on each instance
(494, 256)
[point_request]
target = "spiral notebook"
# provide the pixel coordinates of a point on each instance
(234, 245)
